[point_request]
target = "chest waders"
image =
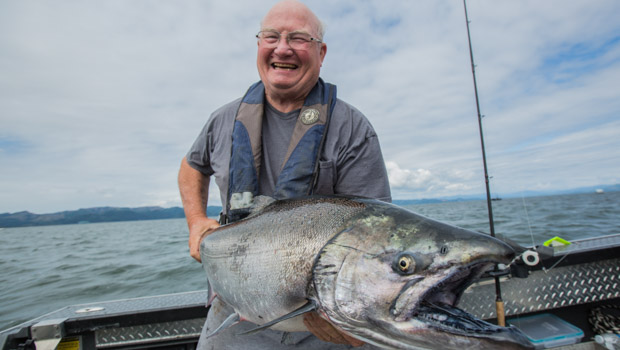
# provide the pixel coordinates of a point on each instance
(299, 171)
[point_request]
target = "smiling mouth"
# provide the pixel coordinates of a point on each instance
(286, 66)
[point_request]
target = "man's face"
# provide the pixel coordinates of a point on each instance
(285, 72)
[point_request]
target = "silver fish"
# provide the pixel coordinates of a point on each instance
(378, 272)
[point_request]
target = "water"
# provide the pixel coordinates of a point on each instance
(43, 269)
(533, 220)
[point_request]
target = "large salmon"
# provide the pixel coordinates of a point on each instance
(376, 271)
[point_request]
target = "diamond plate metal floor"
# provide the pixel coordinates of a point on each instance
(546, 289)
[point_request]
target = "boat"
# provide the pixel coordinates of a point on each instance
(574, 284)
(571, 283)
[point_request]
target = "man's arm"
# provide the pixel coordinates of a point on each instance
(194, 188)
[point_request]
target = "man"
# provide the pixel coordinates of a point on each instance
(288, 136)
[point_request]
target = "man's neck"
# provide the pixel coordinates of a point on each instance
(285, 105)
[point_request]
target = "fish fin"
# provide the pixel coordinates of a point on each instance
(211, 298)
(307, 307)
(211, 294)
(230, 321)
(259, 203)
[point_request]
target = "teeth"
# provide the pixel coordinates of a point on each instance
(439, 317)
(284, 65)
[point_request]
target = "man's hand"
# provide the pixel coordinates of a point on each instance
(199, 229)
(324, 330)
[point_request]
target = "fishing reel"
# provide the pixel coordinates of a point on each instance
(528, 259)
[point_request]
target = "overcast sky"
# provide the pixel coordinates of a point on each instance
(100, 100)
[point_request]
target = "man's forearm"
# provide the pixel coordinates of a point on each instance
(194, 189)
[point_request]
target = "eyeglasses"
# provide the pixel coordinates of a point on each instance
(296, 40)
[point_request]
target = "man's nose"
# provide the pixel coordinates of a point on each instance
(283, 47)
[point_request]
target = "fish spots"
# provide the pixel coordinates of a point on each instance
(403, 236)
(322, 267)
(239, 249)
(375, 221)
(325, 270)
(406, 230)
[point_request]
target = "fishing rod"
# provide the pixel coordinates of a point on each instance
(499, 303)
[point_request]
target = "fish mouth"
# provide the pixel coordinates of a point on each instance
(449, 318)
(442, 294)
(437, 308)
(447, 292)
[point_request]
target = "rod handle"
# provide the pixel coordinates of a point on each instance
(501, 316)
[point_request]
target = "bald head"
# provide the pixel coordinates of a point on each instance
(288, 73)
(288, 8)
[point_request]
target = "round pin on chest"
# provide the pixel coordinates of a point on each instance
(309, 116)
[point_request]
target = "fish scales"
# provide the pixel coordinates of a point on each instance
(272, 255)
(378, 272)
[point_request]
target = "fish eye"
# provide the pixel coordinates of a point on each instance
(404, 264)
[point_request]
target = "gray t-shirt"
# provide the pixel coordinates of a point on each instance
(351, 162)
(276, 136)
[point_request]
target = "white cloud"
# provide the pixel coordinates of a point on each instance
(418, 179)
(100, 100)
(422, 183)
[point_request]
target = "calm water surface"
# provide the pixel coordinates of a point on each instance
(43, 269)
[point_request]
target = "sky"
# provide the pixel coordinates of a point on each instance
(100, 100)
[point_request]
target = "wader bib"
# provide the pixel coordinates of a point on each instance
(300, 167)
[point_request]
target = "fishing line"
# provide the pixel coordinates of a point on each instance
(556, 263)
(527, 218)
(529, 226)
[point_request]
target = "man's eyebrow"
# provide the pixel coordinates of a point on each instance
(299, 31)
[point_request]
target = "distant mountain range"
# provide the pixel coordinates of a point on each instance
(502, 195)
(109, 214)
(588, 189)
(91, 215)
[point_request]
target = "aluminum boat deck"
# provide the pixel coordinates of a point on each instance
(567, 282)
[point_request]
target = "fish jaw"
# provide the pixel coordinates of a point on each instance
(360, 290)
